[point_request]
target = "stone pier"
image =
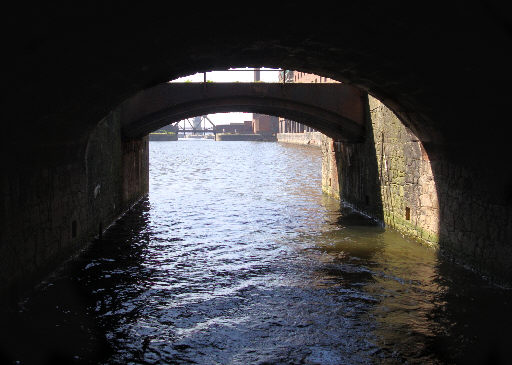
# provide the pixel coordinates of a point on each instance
(391, 178)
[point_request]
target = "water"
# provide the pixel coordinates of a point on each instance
(236, 257)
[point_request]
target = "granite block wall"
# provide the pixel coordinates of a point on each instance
(50, 211)
(447, 206)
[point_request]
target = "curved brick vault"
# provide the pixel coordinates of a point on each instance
(443, 69)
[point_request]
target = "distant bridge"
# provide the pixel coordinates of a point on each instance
(198, 131)
(335, 109)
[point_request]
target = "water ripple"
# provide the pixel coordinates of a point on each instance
(236, 257)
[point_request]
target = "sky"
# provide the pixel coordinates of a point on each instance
(231, 76)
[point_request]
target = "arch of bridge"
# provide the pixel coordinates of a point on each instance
(335, 109)
(441, 69)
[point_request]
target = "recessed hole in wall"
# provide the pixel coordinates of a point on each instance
(407, 213)
(329, 181)
(73, 229)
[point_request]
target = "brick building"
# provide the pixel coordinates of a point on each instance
(244, 128)
(260, 124)
(265, 124)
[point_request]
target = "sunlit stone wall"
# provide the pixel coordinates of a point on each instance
(450, 207)
(408, 190)
(388, 177)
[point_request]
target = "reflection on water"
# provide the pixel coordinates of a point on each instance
(236, 257)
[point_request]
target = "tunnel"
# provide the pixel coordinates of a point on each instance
(443, 70)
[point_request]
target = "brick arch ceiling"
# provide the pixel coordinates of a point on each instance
(442, 69)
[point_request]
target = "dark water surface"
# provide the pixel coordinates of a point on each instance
(236, 257)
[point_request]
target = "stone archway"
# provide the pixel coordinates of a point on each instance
(443, 70)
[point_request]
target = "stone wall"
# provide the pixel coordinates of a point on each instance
(392, 178)
(163, 136)
(350, 173)
(475, 222)
(135, 170)
(388, 177)
(330, 170)
(50, 212)
(306, 138)
(242, 137)
(408, 189)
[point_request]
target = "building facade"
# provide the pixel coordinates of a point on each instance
(243, 128)
(264, 124)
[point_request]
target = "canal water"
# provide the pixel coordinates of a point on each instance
(236, 257)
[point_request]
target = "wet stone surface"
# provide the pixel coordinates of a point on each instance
(236, 257)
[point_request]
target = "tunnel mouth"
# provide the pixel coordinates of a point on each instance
(370, 203)
(408, 216)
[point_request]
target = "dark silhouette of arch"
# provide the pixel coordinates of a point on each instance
(443, 69)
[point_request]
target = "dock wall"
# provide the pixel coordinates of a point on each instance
(305, 138)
